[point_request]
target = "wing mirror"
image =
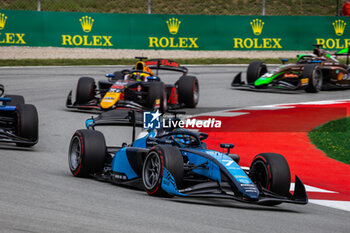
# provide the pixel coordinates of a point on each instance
(153, 78)
(284, 61)
(227, 146)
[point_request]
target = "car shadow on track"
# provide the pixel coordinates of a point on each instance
(89, 111)
(14, 148)
(137, 188)
(271, 91)
(231, 204)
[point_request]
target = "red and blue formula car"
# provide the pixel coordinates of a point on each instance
(176, 162)
(138, 88)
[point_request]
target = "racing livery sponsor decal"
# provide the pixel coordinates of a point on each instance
(173, 41)
(163, 62)
(257, 43)
(231, 166)
(119, 176)
(9, 38)
(338, 43)
(169, 184)
(87, 23)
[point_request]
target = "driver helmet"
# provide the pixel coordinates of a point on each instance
(181, 138)
(140, 65)
(135, 76)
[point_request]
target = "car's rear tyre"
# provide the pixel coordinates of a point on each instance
(157, 159)
(314, 75)
(85, 90)
(15, 100)
(188, 90)
(27, 124)
(157, 92)
(255, 70)
(87, 152)
(271, 171)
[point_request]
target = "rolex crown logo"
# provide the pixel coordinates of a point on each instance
(86, 23)
(173, 25)
(3, 19)
(339, 27)
(257, 26)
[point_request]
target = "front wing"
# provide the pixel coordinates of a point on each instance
(93, 105)
(281, 85)
(224, 190)
(8, 137)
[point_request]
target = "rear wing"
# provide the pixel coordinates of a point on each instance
(344, 52)
(165, 64)
(118, 118)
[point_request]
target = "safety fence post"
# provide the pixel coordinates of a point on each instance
(38, 5)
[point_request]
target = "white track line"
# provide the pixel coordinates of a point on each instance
(342, 205)
(310, 188)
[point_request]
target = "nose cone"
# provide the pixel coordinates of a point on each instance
(110, 99)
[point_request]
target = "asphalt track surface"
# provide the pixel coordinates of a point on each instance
(39, 194)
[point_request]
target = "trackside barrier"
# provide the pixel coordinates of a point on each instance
(190, 32)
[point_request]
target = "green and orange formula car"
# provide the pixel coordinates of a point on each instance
(313, 72)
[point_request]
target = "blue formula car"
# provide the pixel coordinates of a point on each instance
(18, 121)
(176, 162)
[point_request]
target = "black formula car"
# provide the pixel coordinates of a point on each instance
(137, 88)
(312, 72)
(18, 121)
(176, 162)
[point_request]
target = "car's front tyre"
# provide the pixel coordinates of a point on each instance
(188, 90)
(255, 70)
(87, 152)
(314, 76)
(271, 171)
(157, 159)
(85, 90)
(157, 92)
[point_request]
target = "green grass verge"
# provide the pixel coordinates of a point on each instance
(76, 62)
(333, 139)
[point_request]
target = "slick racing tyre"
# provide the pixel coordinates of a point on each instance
(255, 70)
(15, 100)
(188, 90)
(27, 124)
(157, 93)
(85, 90)
(314, 75)
(271, 171)
(87, 152)
(157, 159)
